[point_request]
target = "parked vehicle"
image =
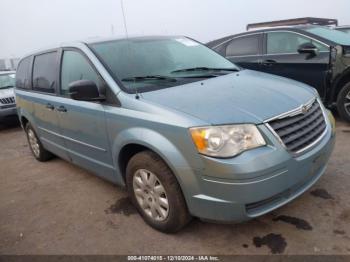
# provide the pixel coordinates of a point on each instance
(7, 96)
(344, 29)
(317, 56)
(185, 130)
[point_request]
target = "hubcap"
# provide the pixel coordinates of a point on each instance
(33, 142)
(347, 103)
(150, 194)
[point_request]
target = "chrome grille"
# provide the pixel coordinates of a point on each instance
(7, 100)
(299, 131)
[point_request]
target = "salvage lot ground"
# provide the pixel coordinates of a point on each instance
(58, 208)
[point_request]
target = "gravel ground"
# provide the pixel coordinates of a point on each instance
(58, 208)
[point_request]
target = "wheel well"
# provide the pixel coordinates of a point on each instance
(126, 154)
(24, 121)
(342, 81)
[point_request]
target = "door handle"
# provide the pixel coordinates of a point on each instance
(61, 109)
(50, 107)
(269, 62)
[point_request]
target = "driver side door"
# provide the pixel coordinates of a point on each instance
(281, 57)
(83, 123)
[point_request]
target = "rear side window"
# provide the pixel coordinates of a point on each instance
(44, 72)
(22, 74)
(288, 43)
(76, 67)
(247, 45)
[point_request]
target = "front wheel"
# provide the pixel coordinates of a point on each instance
(156, 193)
(343, 102)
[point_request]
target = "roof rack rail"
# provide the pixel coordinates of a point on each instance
(293, 22)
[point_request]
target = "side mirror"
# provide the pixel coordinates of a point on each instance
(85, 90)
(308, 48)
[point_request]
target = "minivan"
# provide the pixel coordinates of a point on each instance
(187, 132)
(316, 55)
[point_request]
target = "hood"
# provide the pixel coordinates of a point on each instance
(8, 92)
(243, 97)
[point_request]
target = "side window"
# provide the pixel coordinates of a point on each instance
(288, 43)
(246, 45)
(320, 46)
(22, 74)
(75, 67)
(44, 72)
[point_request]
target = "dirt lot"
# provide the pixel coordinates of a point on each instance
(58, 208)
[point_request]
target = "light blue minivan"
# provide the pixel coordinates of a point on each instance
(186, 131)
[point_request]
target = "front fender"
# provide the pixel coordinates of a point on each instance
(167, 150)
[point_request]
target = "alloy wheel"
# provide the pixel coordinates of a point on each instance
(33, 142)
(347, 103)
(150, 195)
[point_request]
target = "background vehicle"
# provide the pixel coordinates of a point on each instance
(177, 124)
(7, 96)
(318, 56)
(344, 29)
(294, 22)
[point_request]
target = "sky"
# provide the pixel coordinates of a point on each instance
(27, 25)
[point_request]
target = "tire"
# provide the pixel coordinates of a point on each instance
(38, 151)
(343, 102)
(145, 191)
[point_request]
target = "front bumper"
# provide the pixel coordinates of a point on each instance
(257, 181)
(8, 110)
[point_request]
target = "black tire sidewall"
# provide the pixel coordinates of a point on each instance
(341, 100)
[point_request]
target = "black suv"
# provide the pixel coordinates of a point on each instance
(318, 56)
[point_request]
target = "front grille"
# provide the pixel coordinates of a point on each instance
(7, 100)
(299, 131)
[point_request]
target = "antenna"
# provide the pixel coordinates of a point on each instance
(112, 29)
(128, 43)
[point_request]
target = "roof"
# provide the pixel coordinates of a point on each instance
(342, 26)
(293, 22)
(107, 39)
(92, 40)
(260, 30)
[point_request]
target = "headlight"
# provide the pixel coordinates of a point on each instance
(226, 141)
(331, 120)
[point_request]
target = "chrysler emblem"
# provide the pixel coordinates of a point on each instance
(304, 109)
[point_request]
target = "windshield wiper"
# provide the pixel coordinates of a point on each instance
(150, 77)
(205, 69)
(3, 87)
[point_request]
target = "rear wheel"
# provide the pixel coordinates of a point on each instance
(39, 152)
(343, 102)
(156, 193)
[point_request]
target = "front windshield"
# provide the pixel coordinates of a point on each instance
(7, 81)
(338, 37)
(154, 63)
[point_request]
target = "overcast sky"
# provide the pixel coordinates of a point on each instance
(27, 25)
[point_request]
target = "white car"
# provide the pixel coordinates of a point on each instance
(7, 97)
